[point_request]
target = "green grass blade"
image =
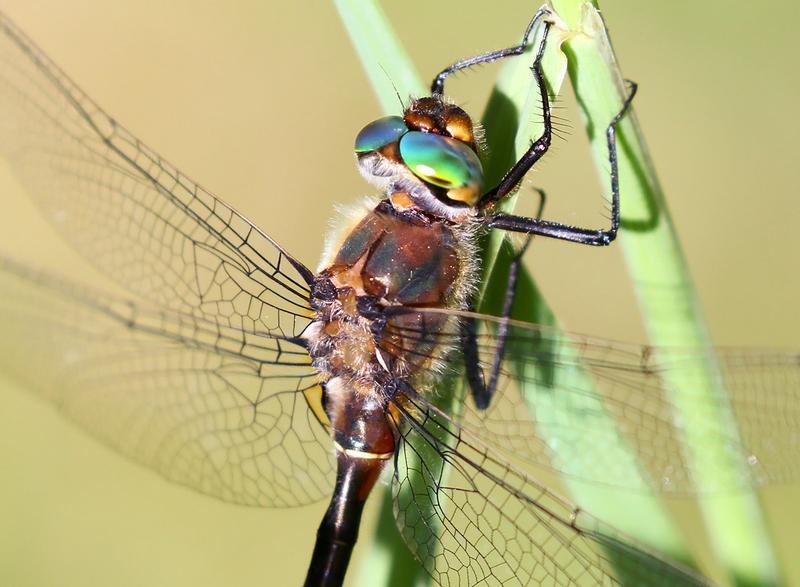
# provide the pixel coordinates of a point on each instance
(383, 57)
(515, 99)
(672, 316)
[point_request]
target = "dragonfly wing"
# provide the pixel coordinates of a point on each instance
(138, 219)
(218, 411)
(473, 519)
(592, 408)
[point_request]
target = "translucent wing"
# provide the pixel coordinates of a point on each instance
(472, 519)
(573, 403)
(132, 214)
(206, 407)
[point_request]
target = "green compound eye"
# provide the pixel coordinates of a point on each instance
(443, 162)
(380, 133)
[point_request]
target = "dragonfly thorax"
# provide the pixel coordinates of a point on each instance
(429, 153)
(392, 261)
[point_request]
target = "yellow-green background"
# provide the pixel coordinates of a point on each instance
(260, 102)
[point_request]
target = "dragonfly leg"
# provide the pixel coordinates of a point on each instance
(597, 237)
(483, 391)
(437, 86)
(538, 147)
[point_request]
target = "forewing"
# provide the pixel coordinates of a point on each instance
(584, 406)
(473, 519)
(212, 409)
(137, 218)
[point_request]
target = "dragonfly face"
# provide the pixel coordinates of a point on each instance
(427, 156)
(236, 369)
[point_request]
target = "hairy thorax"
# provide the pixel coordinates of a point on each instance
(395, 259)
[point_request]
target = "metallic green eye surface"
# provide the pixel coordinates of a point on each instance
(379, 133)
(441, 161)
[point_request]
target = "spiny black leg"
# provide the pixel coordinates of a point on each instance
(472, 366)
(576, 234)
(482, 392)
(437, 87)
(537, 149)
(508, 305)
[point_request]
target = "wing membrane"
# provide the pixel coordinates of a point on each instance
(202, 406)
(472, 519)
(137, 218)
(556, 393)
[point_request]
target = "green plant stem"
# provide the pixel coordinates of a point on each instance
(667, 300)
(639, 515)
(383, 57)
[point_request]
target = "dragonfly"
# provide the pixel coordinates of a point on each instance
(234, 369)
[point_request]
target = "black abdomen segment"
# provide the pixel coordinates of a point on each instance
(364, 442)
(338, 532)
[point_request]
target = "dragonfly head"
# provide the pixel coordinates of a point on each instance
(430, 152)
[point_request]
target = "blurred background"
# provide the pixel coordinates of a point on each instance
(260, 102)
